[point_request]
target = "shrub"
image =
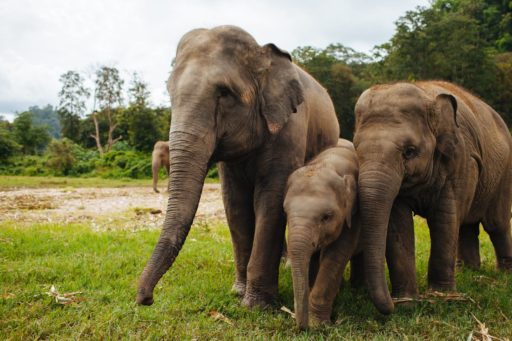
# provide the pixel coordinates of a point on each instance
(60, 156)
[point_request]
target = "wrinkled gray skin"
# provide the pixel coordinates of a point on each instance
(249, 108)
(433, 149)
(159, 159)
(323, 232)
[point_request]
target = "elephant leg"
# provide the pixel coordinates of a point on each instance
(469, 246)
(497, 224)
(263, 268)
(155, 168)
(444, 231)
(499, 231)
(238, 204)
(357, 271)
(333, 260)
(400, 252)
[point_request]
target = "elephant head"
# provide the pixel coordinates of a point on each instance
(229, 95)
(402, 136)
(319, 203)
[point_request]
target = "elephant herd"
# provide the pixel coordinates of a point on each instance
(428, 148)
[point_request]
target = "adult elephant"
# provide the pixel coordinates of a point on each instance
(260, 116)
(434, 149)
(159, 159)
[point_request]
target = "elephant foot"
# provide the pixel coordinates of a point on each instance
(468, 263)
(318, 321)
(442, 286)
(319, 316)
(505, 264)
(238, 288)
(156, 190)
(261, 300)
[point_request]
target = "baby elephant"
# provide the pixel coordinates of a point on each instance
(320, 203)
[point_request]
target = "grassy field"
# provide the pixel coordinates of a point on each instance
(7, 182)
(193, 300)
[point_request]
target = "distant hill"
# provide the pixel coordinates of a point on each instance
(47, 116)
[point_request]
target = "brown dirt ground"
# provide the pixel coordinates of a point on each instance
(131, 208)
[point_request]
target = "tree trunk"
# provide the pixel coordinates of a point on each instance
(97, 136)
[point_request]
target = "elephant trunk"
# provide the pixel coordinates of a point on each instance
(155, 169)
(300, 250)
(190, 151)
(378, 188)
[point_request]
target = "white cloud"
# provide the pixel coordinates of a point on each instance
(43, 39)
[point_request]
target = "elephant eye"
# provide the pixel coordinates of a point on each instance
(410, 152)
(224, 92)
(326, 217)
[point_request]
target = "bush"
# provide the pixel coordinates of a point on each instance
(60, 156)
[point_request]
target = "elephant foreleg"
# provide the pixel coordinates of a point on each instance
(400, 252)
(333, 260)
(263, 267)
(444, 231)
(238, 204)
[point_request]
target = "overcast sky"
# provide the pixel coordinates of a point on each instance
(42, 39)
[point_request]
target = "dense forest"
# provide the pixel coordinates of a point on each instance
(468, 42)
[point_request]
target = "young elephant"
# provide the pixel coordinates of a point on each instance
(320, 203)
(160, 158)
(434, 149)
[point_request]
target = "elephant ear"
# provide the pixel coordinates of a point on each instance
(281, 90)
(444, 124)
(350, 198)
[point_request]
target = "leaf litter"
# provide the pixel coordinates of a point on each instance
(219, 317)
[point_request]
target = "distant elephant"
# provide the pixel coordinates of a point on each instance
(434, 149)
(320, 203)
(159, 159)
(249, 108)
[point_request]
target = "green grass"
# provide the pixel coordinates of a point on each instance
(105, 267)
(10, 182)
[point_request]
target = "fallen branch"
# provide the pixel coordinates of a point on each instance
(65, 298)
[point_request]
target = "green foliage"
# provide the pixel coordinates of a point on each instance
(342, 71)
(31, 137)
(60, 156)
(144, 126)
(8, 146)
(72, 104)
(434, 44)
(124, 164)
(109, 87)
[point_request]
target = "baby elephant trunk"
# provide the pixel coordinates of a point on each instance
(300, 250)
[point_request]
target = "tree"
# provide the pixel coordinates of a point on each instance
(138, 91)
(335, 67)
(61, 158)
(108, 93)
(72, 103)
(440, 43)
(8, 144)
(32, 138)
